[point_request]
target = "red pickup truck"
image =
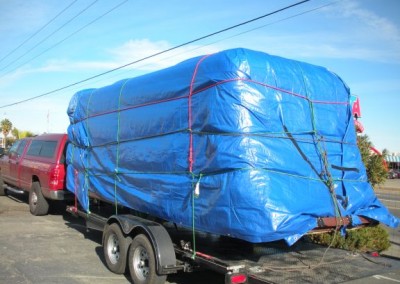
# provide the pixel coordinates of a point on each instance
(35, 165)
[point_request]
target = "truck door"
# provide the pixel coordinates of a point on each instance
(6, 161)
(14, 160)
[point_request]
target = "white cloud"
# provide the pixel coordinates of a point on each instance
(63, 65)
(130, 51)
(364, 34)
(56, 106)
(141, 48)
(381, 26)
(344, 30)
(6, 80)
(320, 45)
(138, 48)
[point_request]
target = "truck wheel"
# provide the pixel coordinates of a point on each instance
(142, 262)
(115, 247)
(3, 191)
(38, 205)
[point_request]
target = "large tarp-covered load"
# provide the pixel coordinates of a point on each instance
(237, 143)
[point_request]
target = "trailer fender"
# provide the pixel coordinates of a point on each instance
(157, 235)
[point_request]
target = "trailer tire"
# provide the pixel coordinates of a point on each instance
(38, 204)
(142, 262)
(115, 247)
(3, 191)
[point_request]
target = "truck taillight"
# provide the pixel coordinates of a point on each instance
(54, 176)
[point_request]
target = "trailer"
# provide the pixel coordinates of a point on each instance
(150, 250)
(241, 147)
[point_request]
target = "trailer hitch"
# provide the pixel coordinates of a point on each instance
(330, 223)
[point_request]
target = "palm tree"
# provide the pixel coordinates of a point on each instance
(6, 126)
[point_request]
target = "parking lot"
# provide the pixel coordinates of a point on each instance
(57, 248)
(49, 249)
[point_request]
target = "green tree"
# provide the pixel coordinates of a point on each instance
(25, 133)
(15, 133)
(6, 126)
(374, 163)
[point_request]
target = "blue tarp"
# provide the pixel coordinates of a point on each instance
(237, 143)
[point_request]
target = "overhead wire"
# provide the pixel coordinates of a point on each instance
(69, 36)
(38, 31)
(226, 38)
(277, 21)
(47, 37)
(158, 53)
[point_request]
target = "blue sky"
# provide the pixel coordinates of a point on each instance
(358, 40)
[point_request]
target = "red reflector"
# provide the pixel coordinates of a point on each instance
(375, 254)
(238, 278)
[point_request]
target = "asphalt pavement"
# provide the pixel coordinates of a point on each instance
(57, 248)
(389, 194)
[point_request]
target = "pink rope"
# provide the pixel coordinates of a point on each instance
(270, 87)
(192, 92)
(190, 116)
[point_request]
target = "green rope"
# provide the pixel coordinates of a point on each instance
(86, 185)
(116, 177)
(86, 165)
(193, 214)
(224, 172)
(275, 135)
(323, 155)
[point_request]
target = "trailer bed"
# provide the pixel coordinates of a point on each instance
(276, 262)
(272, 262)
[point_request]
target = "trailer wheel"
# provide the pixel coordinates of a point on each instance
(142, 262)
(115, 248)
(3, 191)
(38, 205)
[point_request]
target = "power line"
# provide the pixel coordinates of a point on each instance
(238, 34)
(46, 38)
(158, 53)
(277, 21)
(42, 28)
(72, 34)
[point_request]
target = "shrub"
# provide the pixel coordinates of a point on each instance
(373, 238)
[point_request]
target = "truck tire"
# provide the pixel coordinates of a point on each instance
(115, 247)
(38, 205)
(142, 262)
(3, 191)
